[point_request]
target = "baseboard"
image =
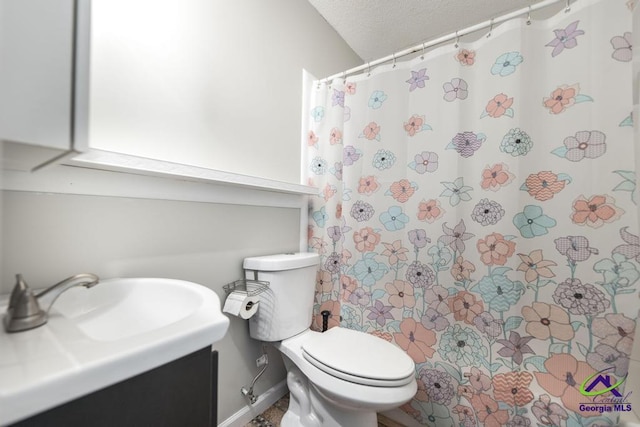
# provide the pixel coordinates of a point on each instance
(249, 412)
(401, 417)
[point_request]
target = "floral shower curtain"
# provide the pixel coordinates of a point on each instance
(477, 209)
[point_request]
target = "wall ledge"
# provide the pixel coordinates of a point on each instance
(105, 160)
(67, 179)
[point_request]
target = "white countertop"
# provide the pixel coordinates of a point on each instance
(44, 367)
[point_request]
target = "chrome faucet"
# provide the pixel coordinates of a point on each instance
(24, 310)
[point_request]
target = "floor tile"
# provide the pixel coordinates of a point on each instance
(272, 416)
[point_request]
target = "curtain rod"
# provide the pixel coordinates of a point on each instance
(455, 35)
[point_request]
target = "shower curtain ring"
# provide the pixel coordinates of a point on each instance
(457, 44)
(344, 77)
(490, 28)
(568, 7)
(423, 48)
(529, 16)
(368, 69)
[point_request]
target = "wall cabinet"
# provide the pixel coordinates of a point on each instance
(144, 81)
(36, 81)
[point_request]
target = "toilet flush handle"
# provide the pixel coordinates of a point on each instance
(325, 319)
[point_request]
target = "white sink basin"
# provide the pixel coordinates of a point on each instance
(99, 336)
(121, 308)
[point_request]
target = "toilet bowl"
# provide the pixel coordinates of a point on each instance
(337, 378)
(343, 378)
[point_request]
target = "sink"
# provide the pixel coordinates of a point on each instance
(100, 336)
(122, 308)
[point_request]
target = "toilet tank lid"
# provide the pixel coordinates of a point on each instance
(280, 262)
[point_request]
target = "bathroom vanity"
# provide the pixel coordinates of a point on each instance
(126, 352)
(177, 394)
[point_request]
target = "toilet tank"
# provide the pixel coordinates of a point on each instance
(286, 307)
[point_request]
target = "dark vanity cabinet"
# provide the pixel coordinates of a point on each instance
(182, 393)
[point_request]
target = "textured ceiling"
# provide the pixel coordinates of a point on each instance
(377, 28)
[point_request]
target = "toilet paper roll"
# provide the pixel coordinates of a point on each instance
(241, 305)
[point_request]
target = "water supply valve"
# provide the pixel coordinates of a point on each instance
(325, 319)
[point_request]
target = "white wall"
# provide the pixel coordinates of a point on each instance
(634, 363)
(231, 92)
(48, 235)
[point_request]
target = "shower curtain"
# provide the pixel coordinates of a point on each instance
(476, 207)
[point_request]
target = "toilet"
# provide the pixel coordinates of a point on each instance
(340, 377)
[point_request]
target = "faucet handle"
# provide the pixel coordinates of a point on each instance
(23, 311)
(23, 302)
(18, 290)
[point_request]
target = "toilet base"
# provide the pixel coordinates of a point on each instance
(309, 408)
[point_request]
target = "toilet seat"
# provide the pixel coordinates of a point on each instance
(359, 357)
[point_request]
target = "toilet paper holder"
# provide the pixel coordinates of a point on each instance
(247, 286)
(243, 297)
